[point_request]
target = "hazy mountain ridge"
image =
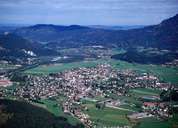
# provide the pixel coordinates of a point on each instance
(162, 36)
(159, 36)
(124, 27)
(45, 33)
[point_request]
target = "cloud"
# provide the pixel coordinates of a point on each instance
(86, 11)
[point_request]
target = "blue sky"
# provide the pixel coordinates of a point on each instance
(87, 12)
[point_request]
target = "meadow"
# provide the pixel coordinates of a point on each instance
(155, 123)
(107, 116)
(145, 92)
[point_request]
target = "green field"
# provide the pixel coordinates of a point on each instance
(154, 123)
(107, 116)
(145, 91)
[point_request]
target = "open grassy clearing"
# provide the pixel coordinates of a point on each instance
(155, 123)
(131, 102)
(107, 116)
(145, 91)
(152, 123)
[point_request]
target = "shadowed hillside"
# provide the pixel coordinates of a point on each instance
(16, 114)
(162, 36)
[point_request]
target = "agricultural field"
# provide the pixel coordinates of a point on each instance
(107, 116)
(155, 123)
(145, 91)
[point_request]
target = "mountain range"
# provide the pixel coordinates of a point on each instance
(43, 39)
(162, 36)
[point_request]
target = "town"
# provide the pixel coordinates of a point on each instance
(88, 83)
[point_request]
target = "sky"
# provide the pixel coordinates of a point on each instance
(87, 12)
